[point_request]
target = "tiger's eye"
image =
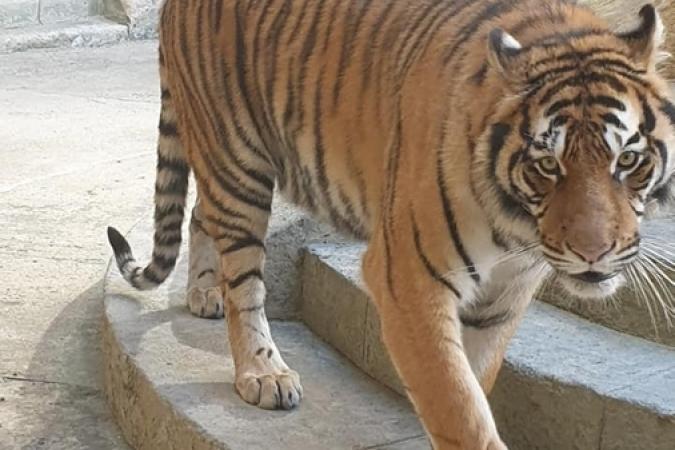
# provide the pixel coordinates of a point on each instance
(627, 160)
(548, 164)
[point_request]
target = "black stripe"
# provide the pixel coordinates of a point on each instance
(435, 274)
(178, 166)
(226, 229)
(177, 186)
(241, 279)
(634, 139)
(389, 265)
(474, 26)
(604, 100)
(217, 14)
(427, 14)
(564, 103)
(583, 79)
(551, 248)
(558, 38)
(168, 240)
(166, 95)
(486, 322)
(320, 163)
(349, 35)
(649, 118)
(669, 110)
(369, 50)
(205, 272)
(149, 275)
(240, 70)
(164, 211)
(452, 224)
(575, 56)
(247, 242)
(663, 193)
(663, 154)
(498, 135)
(167, 129)
(612, 119)
(163, 262)
(299, 22)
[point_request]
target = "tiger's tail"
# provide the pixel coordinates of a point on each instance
(171, 187)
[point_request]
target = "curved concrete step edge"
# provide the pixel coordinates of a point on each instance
(169, 380)
(133, 399)
(566, 383)
(94, 31)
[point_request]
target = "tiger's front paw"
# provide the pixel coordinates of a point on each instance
(280, 390)
(206, 303)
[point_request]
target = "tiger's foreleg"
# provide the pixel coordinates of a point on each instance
(262, 377)
(422, 332)
(491, 322)
(204, 296)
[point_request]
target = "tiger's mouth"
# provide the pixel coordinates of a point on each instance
(591, 285)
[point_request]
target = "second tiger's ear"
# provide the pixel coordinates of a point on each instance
(646, 40)
(503, 54)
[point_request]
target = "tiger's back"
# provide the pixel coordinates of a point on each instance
(317, 89)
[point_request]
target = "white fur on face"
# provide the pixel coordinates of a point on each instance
(599, 290)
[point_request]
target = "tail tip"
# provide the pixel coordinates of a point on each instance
(119, 245)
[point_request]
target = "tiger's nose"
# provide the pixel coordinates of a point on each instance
(592, 253)
(593, 277)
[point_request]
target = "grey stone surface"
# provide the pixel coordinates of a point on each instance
(36, 415)
(566, 384)
(335, 307)
(628, 311)
(140, 15)
(17, 13)
(169, 379)
(90, 32)
(78, 140)
(52, 11)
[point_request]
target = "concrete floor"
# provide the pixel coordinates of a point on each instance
(77, 139)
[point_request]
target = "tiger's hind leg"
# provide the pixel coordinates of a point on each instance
(204, 295)
(237, 221)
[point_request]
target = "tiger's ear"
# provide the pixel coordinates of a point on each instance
(503, 53)
(646, 40)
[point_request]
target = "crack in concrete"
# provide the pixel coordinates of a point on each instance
(6, 189)
(37, 380)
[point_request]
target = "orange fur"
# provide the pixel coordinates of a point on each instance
(412, 125)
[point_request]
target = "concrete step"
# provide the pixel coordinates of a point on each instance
(18, 13)
(169, 375)
(636, 311)
(90, 32)
(567, 383)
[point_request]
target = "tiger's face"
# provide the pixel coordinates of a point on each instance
(593, 166)
(589, 150)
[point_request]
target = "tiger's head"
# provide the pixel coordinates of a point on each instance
(585, 145)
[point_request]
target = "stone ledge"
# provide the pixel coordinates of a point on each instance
(169, 375)
(566, 384)
(92, 32)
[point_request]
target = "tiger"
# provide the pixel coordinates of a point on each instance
(475, 146)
